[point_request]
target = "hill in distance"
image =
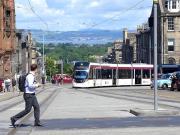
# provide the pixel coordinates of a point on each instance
(77, 37)
(93, 36)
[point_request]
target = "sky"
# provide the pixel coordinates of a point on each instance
(73, 15)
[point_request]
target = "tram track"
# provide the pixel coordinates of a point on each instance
(163, 102)
(171, 98)
(19, 101)
(29, 117)
(171, 95)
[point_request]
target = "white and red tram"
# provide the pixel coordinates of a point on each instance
(88, 74)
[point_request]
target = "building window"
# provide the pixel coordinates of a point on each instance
(174, 4)
(8, 13)
(171, 43)
(166, 3)
(171, 60)
(170, 23)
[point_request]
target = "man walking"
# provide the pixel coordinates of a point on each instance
(30, 98)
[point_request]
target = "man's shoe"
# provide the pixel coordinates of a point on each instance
(13, 122)
(38, 124)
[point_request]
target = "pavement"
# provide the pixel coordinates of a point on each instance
(15, 104)
(80, 112)
(8, 95)
(74, 112)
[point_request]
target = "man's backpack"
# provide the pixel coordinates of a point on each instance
(22, 81)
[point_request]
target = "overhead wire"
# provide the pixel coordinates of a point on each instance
(115, 16)
(32, 9)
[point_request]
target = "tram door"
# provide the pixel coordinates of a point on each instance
(138, 76)
(97, 77)
(94, 76)
(114, 77)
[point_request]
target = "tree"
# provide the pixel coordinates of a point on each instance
(51, 67)
(68, 69)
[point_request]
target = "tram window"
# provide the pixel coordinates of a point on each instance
(124, 74)
(98, 74)
(146, 73)
(106, 73)
(91, 74)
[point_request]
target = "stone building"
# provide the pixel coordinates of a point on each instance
(117, 51)
(144, 50)
(128, 47)
(123, 51)
(26, 53)
(7, 37)
(170, 31)
(168, 34)
(114, 54)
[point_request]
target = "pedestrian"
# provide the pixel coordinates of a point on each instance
(30, 98)
(7, 84)
(173, 82)
(14, 84)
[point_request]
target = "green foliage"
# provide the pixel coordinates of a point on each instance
(72, 52)
(51, 67)
(68, 69)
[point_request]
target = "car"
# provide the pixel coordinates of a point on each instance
(67, 79)
(58, 78)
(164, 81)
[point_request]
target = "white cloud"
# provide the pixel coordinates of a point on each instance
(42, 9)
(94, 4)
(77, 14)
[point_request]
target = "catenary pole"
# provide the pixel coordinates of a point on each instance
(155, 2)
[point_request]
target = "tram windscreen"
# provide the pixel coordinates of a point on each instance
(81, 66)
(80, 75)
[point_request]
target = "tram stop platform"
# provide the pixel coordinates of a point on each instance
(159, 112)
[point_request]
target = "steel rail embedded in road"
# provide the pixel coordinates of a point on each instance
(132, 98)
(17, 103)
(43, 105)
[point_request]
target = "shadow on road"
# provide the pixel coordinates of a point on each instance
(93, 123)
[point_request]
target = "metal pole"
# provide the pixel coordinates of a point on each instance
(43, 70)
(43, 55)
(155, 56)
(62, 71)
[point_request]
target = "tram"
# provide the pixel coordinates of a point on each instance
(87, 74)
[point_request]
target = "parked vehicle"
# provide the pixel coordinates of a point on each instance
(67, 79)
(58, 78)
(163, 82)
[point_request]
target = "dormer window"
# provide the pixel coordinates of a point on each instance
(172, 5)
(166, 3)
